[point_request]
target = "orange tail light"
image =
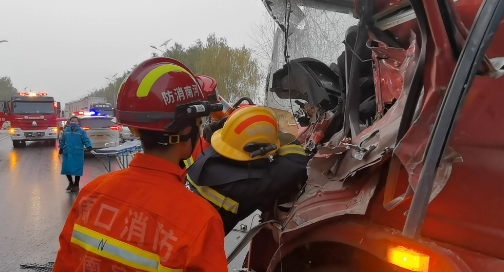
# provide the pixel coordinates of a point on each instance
(408, 259)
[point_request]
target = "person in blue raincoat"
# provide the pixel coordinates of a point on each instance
(71, 145)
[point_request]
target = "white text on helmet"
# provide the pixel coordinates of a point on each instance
(180, 94)
(260, 129)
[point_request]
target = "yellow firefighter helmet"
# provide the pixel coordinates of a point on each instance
(245, 131)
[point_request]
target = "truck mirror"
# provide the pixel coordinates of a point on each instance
(4, 107)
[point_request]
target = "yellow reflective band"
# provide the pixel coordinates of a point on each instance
(122, 83)
(155, 74)
(120, 87)
(217, 199)
(291, 149)
(117, 250)
(189, 162)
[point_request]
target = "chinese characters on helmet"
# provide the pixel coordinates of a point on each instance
(180, 94)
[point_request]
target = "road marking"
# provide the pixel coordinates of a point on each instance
(4, 138)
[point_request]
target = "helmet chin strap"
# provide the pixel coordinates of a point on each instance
(193, 136)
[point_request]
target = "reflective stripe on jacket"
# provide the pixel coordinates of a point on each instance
(141, 218)
(237, 189)
(201, 145)
(189, 162)
(215, 198)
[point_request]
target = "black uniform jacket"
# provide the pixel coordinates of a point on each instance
(237, 189)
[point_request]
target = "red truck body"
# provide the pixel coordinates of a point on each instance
(376, 198)
(32, 118)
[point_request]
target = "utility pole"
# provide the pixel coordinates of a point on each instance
(163, 44)
(157, 49)
(111, 82)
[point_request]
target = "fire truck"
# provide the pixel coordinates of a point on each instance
(32, 117)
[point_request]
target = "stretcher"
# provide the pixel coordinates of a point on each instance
(121, 154)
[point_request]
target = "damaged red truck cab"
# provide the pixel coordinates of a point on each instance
(419, 188)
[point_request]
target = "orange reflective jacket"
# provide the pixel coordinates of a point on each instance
(141, 218)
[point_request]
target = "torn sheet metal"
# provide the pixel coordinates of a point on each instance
(413, 164)
(410, 150)
(498, 65)
(330, 191)
(326, 205)
(384, 132)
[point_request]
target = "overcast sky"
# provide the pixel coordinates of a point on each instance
(66, 48)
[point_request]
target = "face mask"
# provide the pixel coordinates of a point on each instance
(73, 124)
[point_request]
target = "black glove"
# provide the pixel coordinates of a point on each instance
(60, 151)
(209, 129)
(90, 148)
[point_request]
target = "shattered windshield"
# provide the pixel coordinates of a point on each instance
(312, 32)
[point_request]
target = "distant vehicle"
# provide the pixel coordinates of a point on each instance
(101, 109)
(84, 105)
(61, 124)
(102, 132)
(126, 134)
(32, 117)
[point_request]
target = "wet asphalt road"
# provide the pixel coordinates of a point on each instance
(34, 204)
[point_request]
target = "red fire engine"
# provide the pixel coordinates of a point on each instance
(32, 117)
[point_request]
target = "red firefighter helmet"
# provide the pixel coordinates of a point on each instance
(211, 94)
(208, 87)
(148, 97)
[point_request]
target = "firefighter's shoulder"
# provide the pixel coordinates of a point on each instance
(293, 148)
(98, 181)
(187, 211)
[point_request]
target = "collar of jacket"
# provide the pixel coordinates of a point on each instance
(212, 169)
(150, 162)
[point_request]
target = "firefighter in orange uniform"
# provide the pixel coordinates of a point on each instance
(143, 218)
